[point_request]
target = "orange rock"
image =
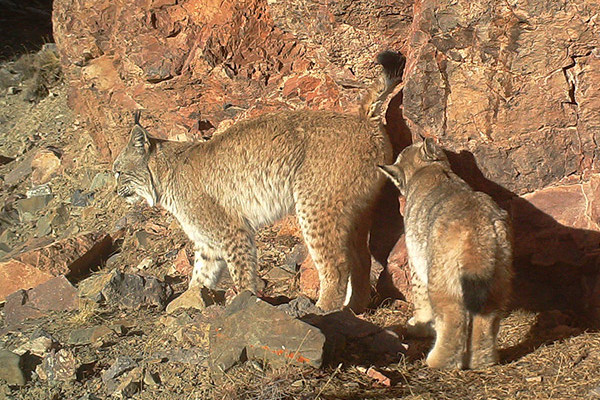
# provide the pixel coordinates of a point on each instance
(16, 275)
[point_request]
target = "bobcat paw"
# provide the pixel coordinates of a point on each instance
(419, 329)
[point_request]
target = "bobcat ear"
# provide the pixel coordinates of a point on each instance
(395, 174)
(431, 151)
(139, 139)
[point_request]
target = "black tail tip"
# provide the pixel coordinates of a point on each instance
(392, 62)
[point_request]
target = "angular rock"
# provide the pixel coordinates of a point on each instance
(299, 307)
(16, 275)
(45, 164)
(295, 258)
(60, 366)
(57, 294)
(72, 256)
(28, 208)
(81, 199)
(39, 345)
(182, 263)
(264, 333)
(20, 171)
(91, 335)
(120, 366)
(126, 290)
(10, 368)
(101, 179)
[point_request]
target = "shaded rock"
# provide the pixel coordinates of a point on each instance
(395, 279)
(191, 298)
(60, 366)
(45, 164)
(101, 179)
(252, 327)
(81, 199)
(73, 256)
(91, 288)
(29, 207)
(10, 369)
(54, 218)
(132, 291)
(16, 275)
(91, 335)
(20, 171)
(38, 345)
(57, 294)
(295, 258)
(130, 384)
(120, 366)
(299, 307)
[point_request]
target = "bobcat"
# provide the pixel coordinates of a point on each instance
(321, 165)
(459, 246)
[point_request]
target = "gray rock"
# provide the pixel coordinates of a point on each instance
(121, 365)
(125, 290)
(263, 332)
(10, 368)
(299, 307)
(81, 199)
(29, 207)
(21, 170)
(101, 179)
(295, 258)
(132, 291)
(40, 190)
(91, 335)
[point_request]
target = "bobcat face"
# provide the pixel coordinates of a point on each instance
(411, 159)
(134, 180)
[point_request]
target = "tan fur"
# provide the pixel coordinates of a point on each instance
(320, 165)
(460, 247)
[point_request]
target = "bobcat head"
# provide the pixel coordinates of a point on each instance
(413, 158)
(133, 176)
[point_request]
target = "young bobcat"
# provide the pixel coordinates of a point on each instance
(321, 165)
(459, 246)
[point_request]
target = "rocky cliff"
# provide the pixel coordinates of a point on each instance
(510, 88)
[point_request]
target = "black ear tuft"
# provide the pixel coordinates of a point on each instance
(137, 114)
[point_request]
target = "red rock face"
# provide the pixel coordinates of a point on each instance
(197, 65)
(511, 89)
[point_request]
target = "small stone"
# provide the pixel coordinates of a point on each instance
(10, 369)
(146, 263)
(58, 366)
(101, 179)
(81, 199)
(377, 375)
(45, 164)
(182, 264)
(295, 258)
(20, 171)
(39, 346)
(191, 298)
(91, 288)
(133, 291)
(29, 207)
(40, 190)
(91, 335)
(12, 90)
(151, 379)
(121, 365)
(299, 307)
(534, 379)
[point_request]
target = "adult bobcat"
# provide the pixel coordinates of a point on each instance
(459, 246)
(321, 165)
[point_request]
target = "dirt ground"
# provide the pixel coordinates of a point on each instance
(544, 355)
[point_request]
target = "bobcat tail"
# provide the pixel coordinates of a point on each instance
(393, 67)
(477, 287)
